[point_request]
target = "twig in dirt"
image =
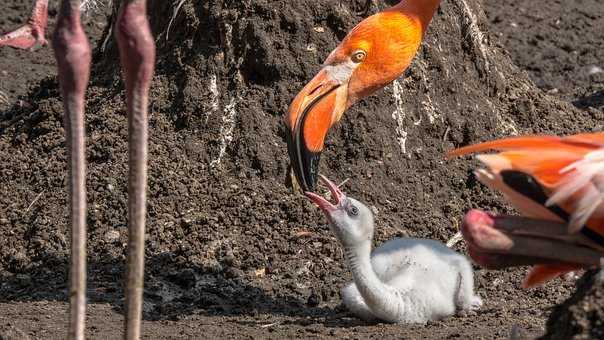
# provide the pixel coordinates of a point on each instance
(446, 133)
(328, 194)
(107, 37)
(304, 233)
(343, 182)
(35, 200)
(455, 239)
(271, 324)
(176, 10)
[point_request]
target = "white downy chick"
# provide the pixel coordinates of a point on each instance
(403, 281)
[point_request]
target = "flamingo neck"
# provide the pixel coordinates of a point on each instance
(422, 10)
(385, 302)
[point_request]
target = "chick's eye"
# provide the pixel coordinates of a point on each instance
(353, 211)
(358, 56)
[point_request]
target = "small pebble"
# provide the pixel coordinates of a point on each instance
(112, 236)
(228, 259)
(593, 69)
(233, 273)
(313, 300)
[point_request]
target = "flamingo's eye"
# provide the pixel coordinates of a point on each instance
(353, 211)
(358, 56)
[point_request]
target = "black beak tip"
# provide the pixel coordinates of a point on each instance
(307, 171)
(304, 162)
(311, 178)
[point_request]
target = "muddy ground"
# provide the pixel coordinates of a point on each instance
(225, 255)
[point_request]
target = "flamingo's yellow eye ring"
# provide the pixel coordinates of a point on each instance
(358, 56)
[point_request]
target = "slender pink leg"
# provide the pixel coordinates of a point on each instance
(137, 54)
(32, 33)
(72, 52)
(505, 241)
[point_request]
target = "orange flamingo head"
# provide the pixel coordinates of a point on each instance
(373, 54)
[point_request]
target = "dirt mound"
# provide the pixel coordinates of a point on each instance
(582, 315)
(563, 53)
(227, 235)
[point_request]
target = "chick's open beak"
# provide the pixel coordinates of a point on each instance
(324, 204)
(311, 114)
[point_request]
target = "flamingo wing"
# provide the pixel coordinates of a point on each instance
(548, 177)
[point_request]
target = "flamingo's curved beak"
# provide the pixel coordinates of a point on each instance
(337, 195)
(311, 114)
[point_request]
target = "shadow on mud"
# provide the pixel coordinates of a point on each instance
(595, 100)
(171, 292)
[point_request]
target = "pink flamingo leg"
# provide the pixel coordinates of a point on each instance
(73, 55)
(31, 34)
(137, 54)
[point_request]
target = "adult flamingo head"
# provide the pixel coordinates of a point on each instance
(375, 52)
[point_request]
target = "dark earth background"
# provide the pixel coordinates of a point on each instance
(232, 250)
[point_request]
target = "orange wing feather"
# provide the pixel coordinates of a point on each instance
(543, 157)
(577, 143)
(539, 275)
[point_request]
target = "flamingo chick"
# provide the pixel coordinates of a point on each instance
(403, 281)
